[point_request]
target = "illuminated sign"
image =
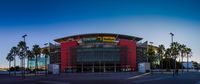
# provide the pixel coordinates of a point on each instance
(99, 39)
(109, 39)
(90, 40)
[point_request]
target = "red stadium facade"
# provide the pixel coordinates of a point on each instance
(98, 52)
(65, 54)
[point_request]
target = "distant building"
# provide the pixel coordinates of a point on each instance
(41, 62)
(190, 65)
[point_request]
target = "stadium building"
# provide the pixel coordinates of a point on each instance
(98, 52)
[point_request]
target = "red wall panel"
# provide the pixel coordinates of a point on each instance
(131, 52)
(65, 54)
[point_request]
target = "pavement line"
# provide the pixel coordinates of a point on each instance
(139, 76)
(54, 82)
(147, 80)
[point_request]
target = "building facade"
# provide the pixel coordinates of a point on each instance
(97, 52)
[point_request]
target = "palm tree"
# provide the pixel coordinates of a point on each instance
(167, 56)
(36, 52)
(46, 53)
(182, 51)
(188, 51)
(175, 51)
(29, 57)
(22, 54)
(14, 51)
(161, 51)
(151, 55)
(9, 58)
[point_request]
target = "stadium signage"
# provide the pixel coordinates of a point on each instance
(99, 39)
(89, 39)
(109, 39)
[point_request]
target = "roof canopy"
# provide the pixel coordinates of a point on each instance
(120, 36)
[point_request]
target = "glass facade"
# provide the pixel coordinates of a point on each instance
(41, 62)
(111, 54)
(97, 59)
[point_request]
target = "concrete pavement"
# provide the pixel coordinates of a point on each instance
(159, 78)
(106, 78)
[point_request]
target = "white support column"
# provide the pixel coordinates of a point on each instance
(104, 68)
(93, 67)
(115, 67)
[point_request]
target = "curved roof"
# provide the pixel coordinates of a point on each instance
(121, 36)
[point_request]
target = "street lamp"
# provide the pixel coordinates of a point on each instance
(24, 37)
(173, 58)
(172, 36)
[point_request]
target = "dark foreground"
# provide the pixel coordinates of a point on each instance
(105, 78)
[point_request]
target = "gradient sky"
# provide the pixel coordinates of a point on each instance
(46, 20)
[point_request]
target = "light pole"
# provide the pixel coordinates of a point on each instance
(151, 46)
(24, 36)
(46, 46)
(172, 36)
(23, 59)
(172, 52)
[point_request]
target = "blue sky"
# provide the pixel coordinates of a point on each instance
(45, 20)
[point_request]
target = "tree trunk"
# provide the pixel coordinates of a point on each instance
(187, 64)
(160, 63)
(36, 65)
(175, 67)
(45, 65)
(14, 66)
(27, 63)
(21, 67)
(166, 64)
(182, 63)
(169, 64)
(27, 68)
(9, 67)
(24, 68)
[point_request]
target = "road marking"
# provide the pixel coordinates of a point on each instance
(54, 82)
(138, 76)
(147, 80)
